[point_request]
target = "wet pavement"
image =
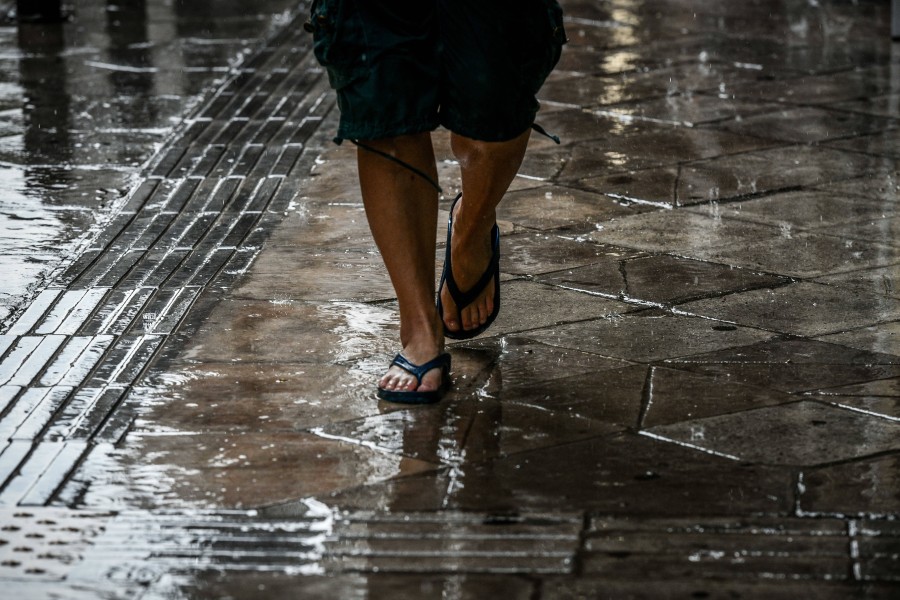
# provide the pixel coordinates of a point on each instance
(86, 103)
(693, 390)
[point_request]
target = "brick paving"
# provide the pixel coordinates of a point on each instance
(692, 390)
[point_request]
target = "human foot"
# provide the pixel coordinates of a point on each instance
(412, 383)
(467, 314)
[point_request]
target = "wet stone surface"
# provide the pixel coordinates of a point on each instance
(691, 390)
(87, 102)
(801, 434)
(800, 308)
(866, 487)
(660, 279)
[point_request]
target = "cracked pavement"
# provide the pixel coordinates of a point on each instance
(693, 389)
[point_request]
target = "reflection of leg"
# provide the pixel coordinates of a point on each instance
(487, 170)
(402, 211)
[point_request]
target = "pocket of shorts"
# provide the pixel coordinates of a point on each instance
(555, 17)
(546, 43)
(339, 41)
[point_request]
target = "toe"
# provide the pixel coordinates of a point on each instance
(482, 313)
(451, 324)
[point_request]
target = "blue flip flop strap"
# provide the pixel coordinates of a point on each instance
(440, 361)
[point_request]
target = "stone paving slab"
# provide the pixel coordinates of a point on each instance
(690, 392)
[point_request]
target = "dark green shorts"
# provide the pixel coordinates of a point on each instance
(408, 66)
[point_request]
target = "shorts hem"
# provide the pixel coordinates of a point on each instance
(510, 132)
(368, 133)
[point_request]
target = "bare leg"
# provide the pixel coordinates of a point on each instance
(487, 170)
(402, 209)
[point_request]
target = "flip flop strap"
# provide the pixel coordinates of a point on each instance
(463, 299)
(441, 361)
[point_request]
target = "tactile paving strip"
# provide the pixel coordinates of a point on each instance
(67, 364)
(46, 543)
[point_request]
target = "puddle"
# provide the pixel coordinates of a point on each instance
(83, 107)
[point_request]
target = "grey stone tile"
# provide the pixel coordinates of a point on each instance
(272, 331)
(881, 280)
(626, 474)
(800, 308)
(733, 176)
(611, 399)
(527, 305)
(787, 350)
(660, 279)
(643, 146)
(647, 336)
(889, 388)
(603, 278)
(290, 274)
(767, 170)
(681, 232)
(337, 224)
(688, 110)
(675, 396)
(805, 254)
(808, 125)
(562, 208)
(879, 229)
(820, 89)
(880, 183)
(573, 126)
(425, 491)
(501, 428)
(880, 143)
(433, 433)
(459, 431)
(257, 397)
(883, 105)
(803, 209)
(682, 78)
(240, 470)
(793, 365)
(655, 186)
(878, 406)
(687, 584)
(793, 378)
(883, 337)
(543, 163)
(802, 433)
(536, 253)
(750, 548)
(513, 362)
(861, 487)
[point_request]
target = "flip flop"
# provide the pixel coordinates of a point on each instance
(463, 299)
(442, 361)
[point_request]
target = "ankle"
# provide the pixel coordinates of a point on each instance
(472, 231)
(425, 335)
